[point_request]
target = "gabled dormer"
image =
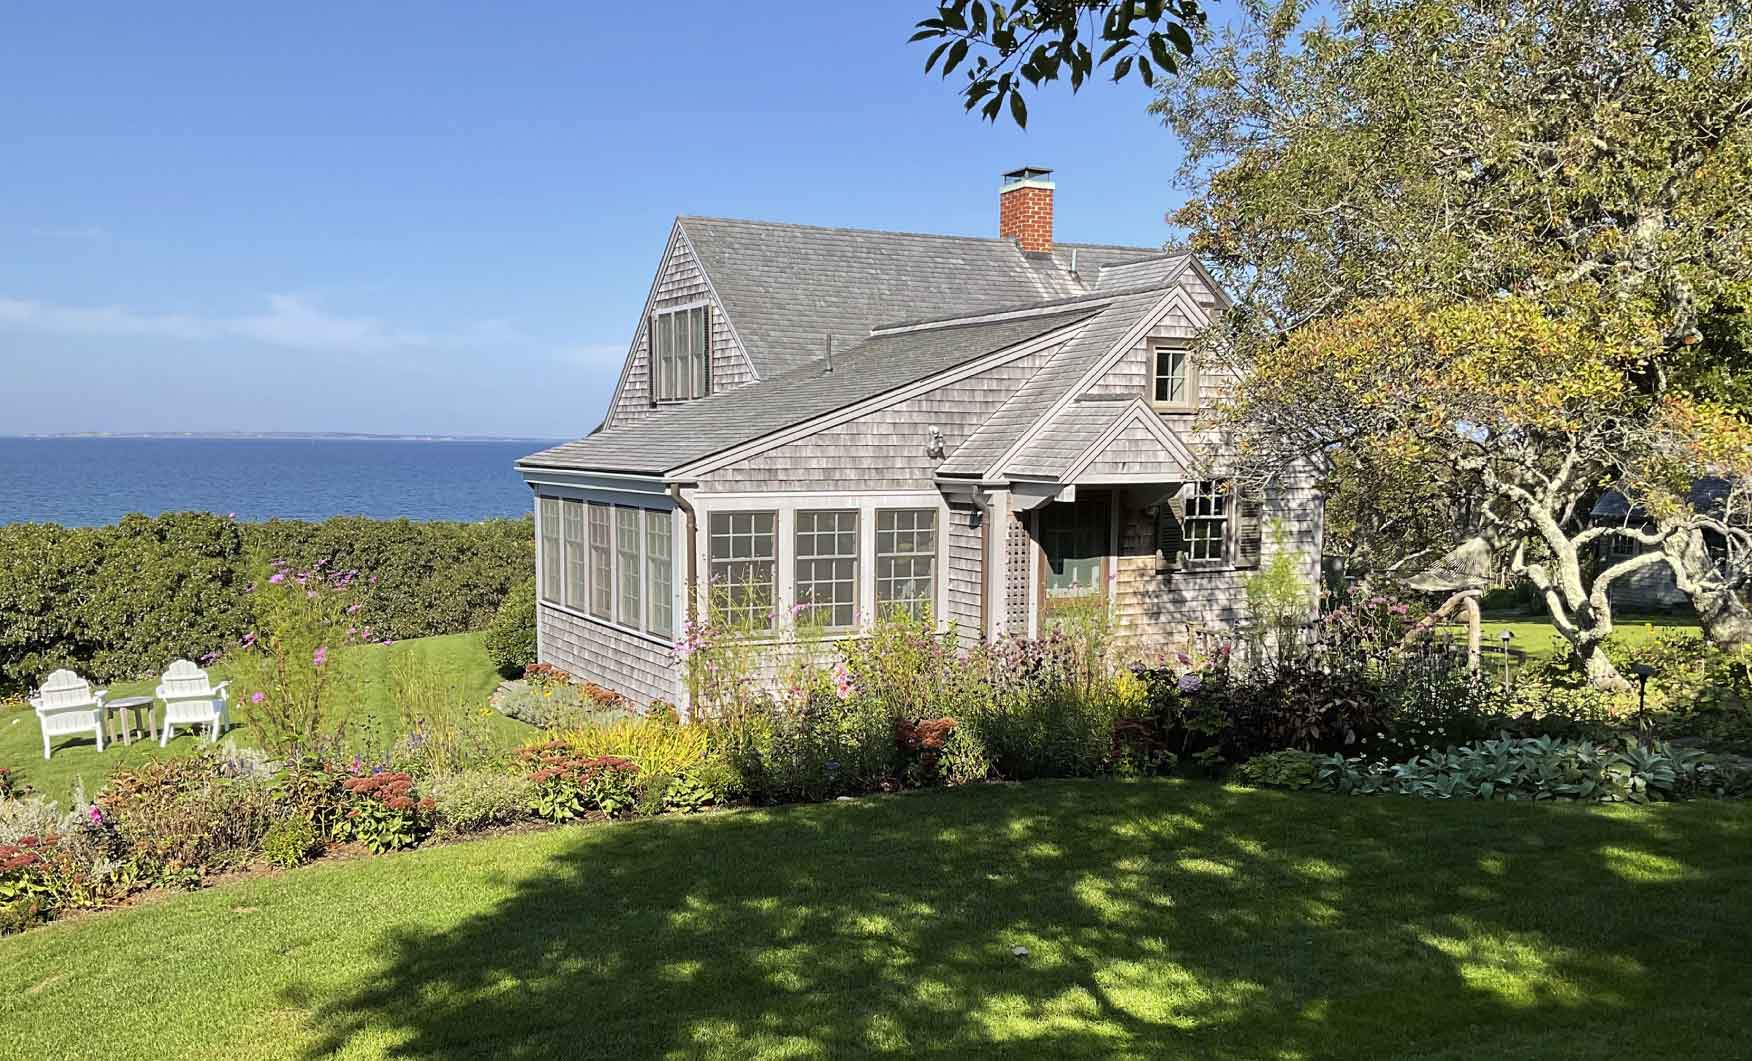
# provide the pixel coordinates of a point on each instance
(685, 347)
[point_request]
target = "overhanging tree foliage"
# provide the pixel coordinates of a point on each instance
(1038, 40)
(1503, 242)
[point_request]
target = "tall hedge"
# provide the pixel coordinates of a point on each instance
(124, 600)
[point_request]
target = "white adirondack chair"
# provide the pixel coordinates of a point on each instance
(67, 704)
(191, 699)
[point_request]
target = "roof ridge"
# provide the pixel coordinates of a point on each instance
(683, 218)
(1020, 309)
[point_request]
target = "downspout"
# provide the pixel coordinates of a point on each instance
(693, 556)
(693, 565)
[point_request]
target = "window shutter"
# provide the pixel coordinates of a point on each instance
(651, 359)
(1170, 534)
(1249, 527)
(706, 349)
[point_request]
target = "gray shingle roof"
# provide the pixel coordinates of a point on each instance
(675, 437)
(786, 287)
(1006, 426)
(1062, 441)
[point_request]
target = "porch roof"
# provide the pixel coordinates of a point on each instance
(1103, 441)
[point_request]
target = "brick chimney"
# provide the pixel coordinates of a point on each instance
(1025, 208)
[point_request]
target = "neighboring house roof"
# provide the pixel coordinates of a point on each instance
(1707, 495)
(684, 434)
(786, 287)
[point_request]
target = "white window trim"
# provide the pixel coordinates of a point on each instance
(1153, 351)
(786, 505)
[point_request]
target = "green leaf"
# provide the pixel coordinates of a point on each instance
(935, 52)
(1122, 68)
(1018, 110)
(1145, 72)
(957, 53)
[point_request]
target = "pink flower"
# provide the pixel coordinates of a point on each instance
(320, 657)
(276, 578)
(256, 698)
(96, 815)
(354, 608)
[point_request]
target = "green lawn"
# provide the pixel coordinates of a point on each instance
(1161, 919)
(1535, 638)
(459, 660)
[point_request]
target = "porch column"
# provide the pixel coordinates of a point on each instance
(997, 551)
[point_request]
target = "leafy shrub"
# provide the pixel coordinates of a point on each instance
(1545, 768)
(823, 747)
(964, 759)
(511, 635)
(11, 785)
(187, 816)
(921, 746)
(291, 841)
(384, 813)
(310, 788)
(1056, 729)
(123, 600)
(471, 800)
(569, 786)
(1286, 769)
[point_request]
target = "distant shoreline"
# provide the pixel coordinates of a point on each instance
(275, 436)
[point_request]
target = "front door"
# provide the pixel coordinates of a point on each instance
(1074, 546)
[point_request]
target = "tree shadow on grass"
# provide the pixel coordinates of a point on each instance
(1159, 919)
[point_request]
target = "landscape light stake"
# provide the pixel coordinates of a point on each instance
(1643, 673)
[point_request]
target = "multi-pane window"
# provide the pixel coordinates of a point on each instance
(827, 568)
(681, 366)
(660, 572)
(1173, 378)
(1207, 522)
(552, 571)
(628, 567)
(601, 561)
(906, 560)
(743, 550)
(572, 530)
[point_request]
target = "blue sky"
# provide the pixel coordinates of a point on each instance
(445, 218)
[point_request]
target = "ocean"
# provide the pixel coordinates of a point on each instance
(91, 481)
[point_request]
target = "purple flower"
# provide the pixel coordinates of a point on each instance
(276, 578)
(320, 656)
(1190, 683)
(96, 815)
(354, 608)
(256, 698)
(248, 640)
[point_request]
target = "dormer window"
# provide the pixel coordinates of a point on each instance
(1174, 377)
(681, 359)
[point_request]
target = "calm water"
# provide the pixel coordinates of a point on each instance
(86, 481)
